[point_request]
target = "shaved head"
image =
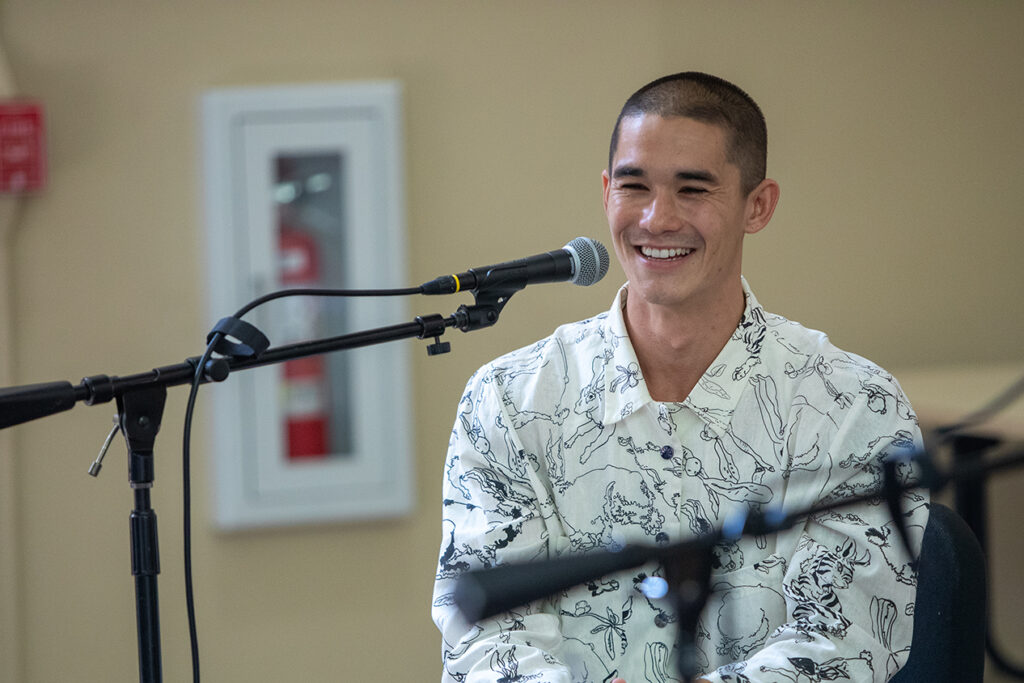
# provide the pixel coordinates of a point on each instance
(709, 99)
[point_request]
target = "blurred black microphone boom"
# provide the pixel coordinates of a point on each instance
(483, 593)
(582, 261)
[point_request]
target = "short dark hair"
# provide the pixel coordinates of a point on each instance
(713, 100)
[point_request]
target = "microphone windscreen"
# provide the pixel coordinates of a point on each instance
(591, 258)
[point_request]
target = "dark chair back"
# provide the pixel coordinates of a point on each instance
(950, 612)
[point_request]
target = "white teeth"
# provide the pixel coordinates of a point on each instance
(664, 253)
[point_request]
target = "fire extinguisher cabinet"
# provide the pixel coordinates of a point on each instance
(303, 189)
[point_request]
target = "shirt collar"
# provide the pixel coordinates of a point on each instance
(625, 391)
(716, 395)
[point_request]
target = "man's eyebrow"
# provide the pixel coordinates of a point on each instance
(701, 175)
(627, 172)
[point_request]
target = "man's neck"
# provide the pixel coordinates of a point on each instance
(675, 347)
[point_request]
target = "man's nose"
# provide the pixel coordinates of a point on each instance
(661, 215)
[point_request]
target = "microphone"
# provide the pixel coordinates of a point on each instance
(582, 261)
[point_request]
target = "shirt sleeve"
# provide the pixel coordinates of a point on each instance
(492, 515)
(850, 584)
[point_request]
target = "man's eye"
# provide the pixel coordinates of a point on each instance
(632, 186)
(692, 190)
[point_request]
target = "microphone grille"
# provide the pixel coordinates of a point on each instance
(591, 259)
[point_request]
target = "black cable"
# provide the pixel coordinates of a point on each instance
(326, 292)
(985, 413)
(186, 454)
(186, 488)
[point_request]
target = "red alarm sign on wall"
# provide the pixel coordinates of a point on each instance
(22, 146)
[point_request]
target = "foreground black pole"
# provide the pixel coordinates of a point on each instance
(139, 414)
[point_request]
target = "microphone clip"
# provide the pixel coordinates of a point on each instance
(490, 300)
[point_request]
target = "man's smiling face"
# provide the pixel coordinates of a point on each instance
(677, 211)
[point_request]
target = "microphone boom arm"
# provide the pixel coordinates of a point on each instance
(22, 404)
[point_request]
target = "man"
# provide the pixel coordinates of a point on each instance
(682, 407)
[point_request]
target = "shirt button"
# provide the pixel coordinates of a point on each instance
(661, 621)
(667, 452)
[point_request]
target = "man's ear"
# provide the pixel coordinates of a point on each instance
(606, 184)
(761, 203)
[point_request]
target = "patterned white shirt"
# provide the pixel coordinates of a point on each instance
(558, 448)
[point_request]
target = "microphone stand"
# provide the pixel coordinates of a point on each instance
(483, 593)
(140, 404)
(139, 415)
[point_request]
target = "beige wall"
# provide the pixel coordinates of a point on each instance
(10, 621)
(895, 134)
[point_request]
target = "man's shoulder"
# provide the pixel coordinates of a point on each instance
(571, 338)
(799, 352)
(560, 359)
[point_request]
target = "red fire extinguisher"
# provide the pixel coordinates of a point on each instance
(305, 395)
